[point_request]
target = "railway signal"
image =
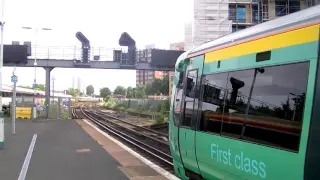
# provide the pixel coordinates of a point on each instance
(127, 40)
(85, 46)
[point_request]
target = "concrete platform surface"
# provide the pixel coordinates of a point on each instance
(62, 151)
(135, 166)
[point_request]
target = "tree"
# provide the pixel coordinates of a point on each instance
(23, 86)
(158, 86)
(149, 89)
(130, 92)
(73, 92)
(105, 93)
(165, 85)
(120, 90)
(90, 90)
(141, 91)
(134, 92)
(41, 87)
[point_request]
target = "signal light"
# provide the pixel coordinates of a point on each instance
(85, 42)
(127, 40)
(85, 46)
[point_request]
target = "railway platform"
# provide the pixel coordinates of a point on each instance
(67, 149)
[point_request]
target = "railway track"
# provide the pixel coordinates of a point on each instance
(158, 127)
(141, 128)
(138, 138)
(132, 113)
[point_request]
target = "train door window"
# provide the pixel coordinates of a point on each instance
(276, 107)
(196, 104)
(190, 94)
(177, 105)
(213, 99)
(238, 89)
(178, 99)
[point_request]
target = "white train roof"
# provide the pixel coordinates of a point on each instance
(6, 88)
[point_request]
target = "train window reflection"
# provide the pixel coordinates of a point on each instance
(189, 98)
(238, 89)
(276, 106)
(212, 102)
(261, 105)
(177, 106)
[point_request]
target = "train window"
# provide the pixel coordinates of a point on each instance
(190, 94)
(261, 105)
(178, 99)
(180, 82)
(213, 97)
(177, 105)
(238, 89)
(276, 106)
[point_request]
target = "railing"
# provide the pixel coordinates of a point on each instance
(75, 53)
(70, 52)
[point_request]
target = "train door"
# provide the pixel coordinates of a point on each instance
(188, 115)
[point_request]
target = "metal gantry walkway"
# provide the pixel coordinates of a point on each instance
(98, 58)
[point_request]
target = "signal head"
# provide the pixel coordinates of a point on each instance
(126, 40)
(82, 38)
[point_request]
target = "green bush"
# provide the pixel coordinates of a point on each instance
(131, 110)
(160, 118)
(110, 104)
(53, 112)
(159, 108)
(122, 108)
(148, 107)
(166, 105)
(139, 109)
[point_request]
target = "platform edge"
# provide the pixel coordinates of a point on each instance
(144, 160)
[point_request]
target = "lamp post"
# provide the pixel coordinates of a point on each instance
(35, 68)
(1, 64)
(53, 79)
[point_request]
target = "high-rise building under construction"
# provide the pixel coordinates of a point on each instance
(215, 18)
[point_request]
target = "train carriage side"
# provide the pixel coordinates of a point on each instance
(175, 107)
(255, 111)
(257, 105)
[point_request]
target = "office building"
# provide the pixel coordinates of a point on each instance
(146, 77)
(78, 83)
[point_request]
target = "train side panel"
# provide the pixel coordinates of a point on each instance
(223, 151)
(173, 127)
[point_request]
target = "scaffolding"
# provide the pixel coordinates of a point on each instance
(210, 20)
(215, 18)
(310, 3)
(260, 11)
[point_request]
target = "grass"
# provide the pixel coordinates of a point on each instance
(161, 115)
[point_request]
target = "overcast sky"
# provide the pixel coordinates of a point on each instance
(102, 22)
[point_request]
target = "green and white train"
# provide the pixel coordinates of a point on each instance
(247, 105)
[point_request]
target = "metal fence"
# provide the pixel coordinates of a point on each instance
(59, 108)
(143, 103)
